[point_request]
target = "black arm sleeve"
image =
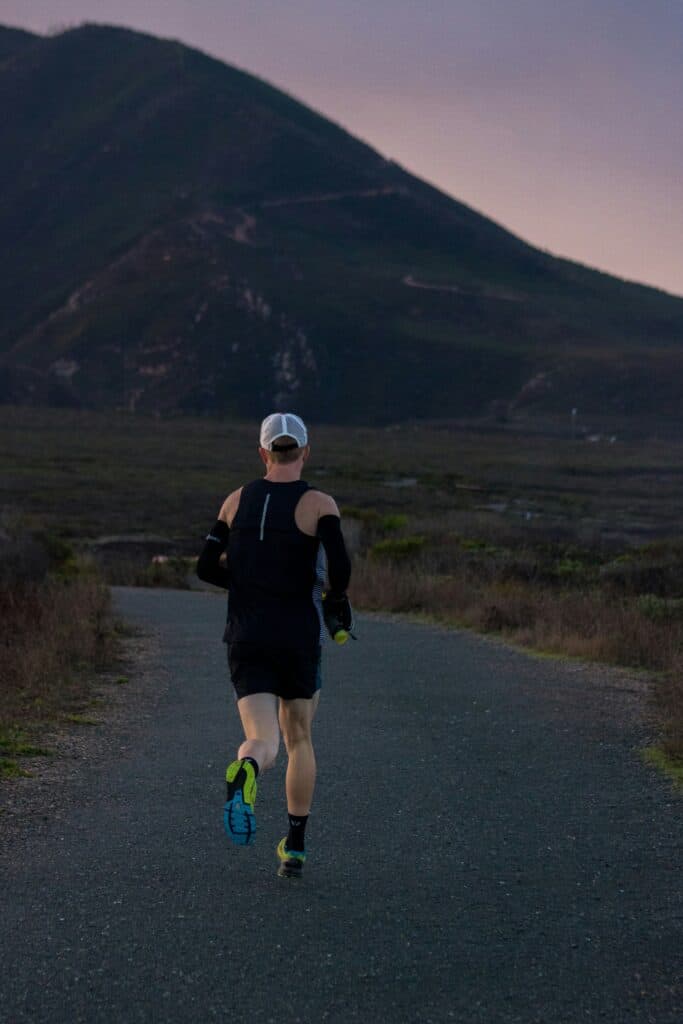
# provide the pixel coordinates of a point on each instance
(338, 561)
(209, 568)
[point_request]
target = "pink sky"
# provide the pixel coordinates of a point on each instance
(561, 121)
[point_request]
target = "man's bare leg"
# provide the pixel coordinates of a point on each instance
(296, 718)
(258, 713)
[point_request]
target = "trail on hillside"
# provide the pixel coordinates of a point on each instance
(503, 294)
(329, 197)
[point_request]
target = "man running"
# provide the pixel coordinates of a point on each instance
(273, 529)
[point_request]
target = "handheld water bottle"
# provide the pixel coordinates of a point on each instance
(339, 628)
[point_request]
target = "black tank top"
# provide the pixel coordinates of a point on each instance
(276, 571)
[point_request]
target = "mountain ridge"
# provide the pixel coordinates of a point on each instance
(182, 236)
(12, 40)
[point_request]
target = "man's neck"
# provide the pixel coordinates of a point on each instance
(284, 473)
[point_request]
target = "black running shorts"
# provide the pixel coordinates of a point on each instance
(290, 674)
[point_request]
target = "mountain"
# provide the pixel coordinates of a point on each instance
(12, 40)
(179, 236)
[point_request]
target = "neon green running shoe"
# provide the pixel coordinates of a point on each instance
(291, 861)
(238, 815)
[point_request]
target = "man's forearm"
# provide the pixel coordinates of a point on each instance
(209, 567)
(338, 561)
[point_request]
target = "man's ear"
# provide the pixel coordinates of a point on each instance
(263, 455)
(307, 452)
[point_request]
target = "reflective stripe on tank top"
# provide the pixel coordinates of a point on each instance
(263, 516)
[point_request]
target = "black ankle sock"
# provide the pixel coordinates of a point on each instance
(253, 763)
(297, 830)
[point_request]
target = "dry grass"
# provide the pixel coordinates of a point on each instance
(669, 696)
(53, 632)
(595, 624)
(514, 529)
(164, 572)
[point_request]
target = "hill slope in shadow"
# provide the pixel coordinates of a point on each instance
(181, 236)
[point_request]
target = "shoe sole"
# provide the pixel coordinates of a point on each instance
(285, 871)
(290, 867)
(239, 819)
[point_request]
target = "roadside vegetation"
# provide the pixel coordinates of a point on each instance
(563, 536)
(543, 592)
(56, 632)
(173, 572)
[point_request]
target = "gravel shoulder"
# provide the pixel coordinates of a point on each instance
(115, 722)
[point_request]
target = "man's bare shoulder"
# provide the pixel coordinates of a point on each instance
(312, 506)
(230, 506)
(324, 504)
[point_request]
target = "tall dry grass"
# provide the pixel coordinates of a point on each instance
(51, 632)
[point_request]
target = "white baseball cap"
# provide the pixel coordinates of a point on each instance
(283, 424)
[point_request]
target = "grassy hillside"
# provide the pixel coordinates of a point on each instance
(180, 236)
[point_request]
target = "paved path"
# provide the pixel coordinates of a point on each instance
(486, 848)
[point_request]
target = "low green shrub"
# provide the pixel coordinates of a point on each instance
(17, 742)
(368, 516)
(398, 548)
(483, 547)
(393, 521)
(388, 522)
(9, 769)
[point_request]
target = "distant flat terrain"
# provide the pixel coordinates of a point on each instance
(83, 474)
(485, 848)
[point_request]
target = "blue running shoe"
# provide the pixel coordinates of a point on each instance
(238, 816)
(291, 861)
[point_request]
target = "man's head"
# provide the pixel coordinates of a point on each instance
(283, 438)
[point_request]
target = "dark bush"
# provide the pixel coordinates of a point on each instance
(23, 559)
(635, 576)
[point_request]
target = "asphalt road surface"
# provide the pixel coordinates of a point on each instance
(485, 847)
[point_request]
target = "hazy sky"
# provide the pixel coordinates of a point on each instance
(561, 119)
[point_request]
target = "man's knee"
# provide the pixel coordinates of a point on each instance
(296, 729)
(297, 738)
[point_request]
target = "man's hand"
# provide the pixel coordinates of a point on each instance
(337, 613)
